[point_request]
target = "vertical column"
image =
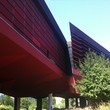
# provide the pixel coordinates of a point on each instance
(76, 102)
(66, 103)
(39, 104)
(87, 102)
(16, 103)
(50, 102)
(82, 102)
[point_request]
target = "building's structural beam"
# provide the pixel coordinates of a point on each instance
(82, 102)
(16, 103)
(50, 101)
(76, 102)
(66, 103)
(39, 104)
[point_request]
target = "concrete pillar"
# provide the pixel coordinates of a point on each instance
(87, 102)
(82, 102)
(39, 104)
(16, 103)
(50, 102)
(76, 102)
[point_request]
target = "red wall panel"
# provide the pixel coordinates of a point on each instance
(27, 19)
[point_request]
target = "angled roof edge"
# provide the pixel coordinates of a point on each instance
(53, 24)
(50, 19)
(82, 35)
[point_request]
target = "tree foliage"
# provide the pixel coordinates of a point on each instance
(2, 98)
(45, 102)
(72, 102)
(6, 100)
(25, 102)
(95, 83)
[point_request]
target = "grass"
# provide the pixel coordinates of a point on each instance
(103, 106)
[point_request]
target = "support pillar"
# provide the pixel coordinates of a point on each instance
(39, 104)
(16, 103)
(76, 102)
(82, 102)
(66, 103)
(50, 102)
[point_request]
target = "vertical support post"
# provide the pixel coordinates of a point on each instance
(39, 104)
(16, 103)
(87, 102)
(82, 102)
(76, 102)
(50, 101)
(66, 103)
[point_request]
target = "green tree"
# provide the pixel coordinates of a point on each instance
(2, 98)
(72, 102)
(53, 102)
(33, 104)
(95, 83)
(8, 100)
(62, 104)
(45, 102)
(25, 103)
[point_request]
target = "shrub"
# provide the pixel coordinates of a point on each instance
(95, 84)
(3, 107)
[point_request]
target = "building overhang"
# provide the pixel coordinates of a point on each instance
(83, 42)
(24, 70)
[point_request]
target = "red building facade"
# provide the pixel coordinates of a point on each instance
(34, 55)
(27, 18)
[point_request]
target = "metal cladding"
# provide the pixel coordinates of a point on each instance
(81, 43)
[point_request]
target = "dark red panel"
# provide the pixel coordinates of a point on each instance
(28, 20)
(33, 56)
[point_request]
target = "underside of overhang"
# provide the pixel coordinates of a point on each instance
(23, 68)
(25, 71)
(68, 85)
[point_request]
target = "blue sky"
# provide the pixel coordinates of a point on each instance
(90, 16)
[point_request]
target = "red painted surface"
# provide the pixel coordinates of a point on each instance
(77, 74)
(24, 71)
(21, 63)
(27, 19)
(32, 59)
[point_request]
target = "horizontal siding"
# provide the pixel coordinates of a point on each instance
(80, 47)
(26, 18)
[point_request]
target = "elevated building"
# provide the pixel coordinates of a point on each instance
(34, 58)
